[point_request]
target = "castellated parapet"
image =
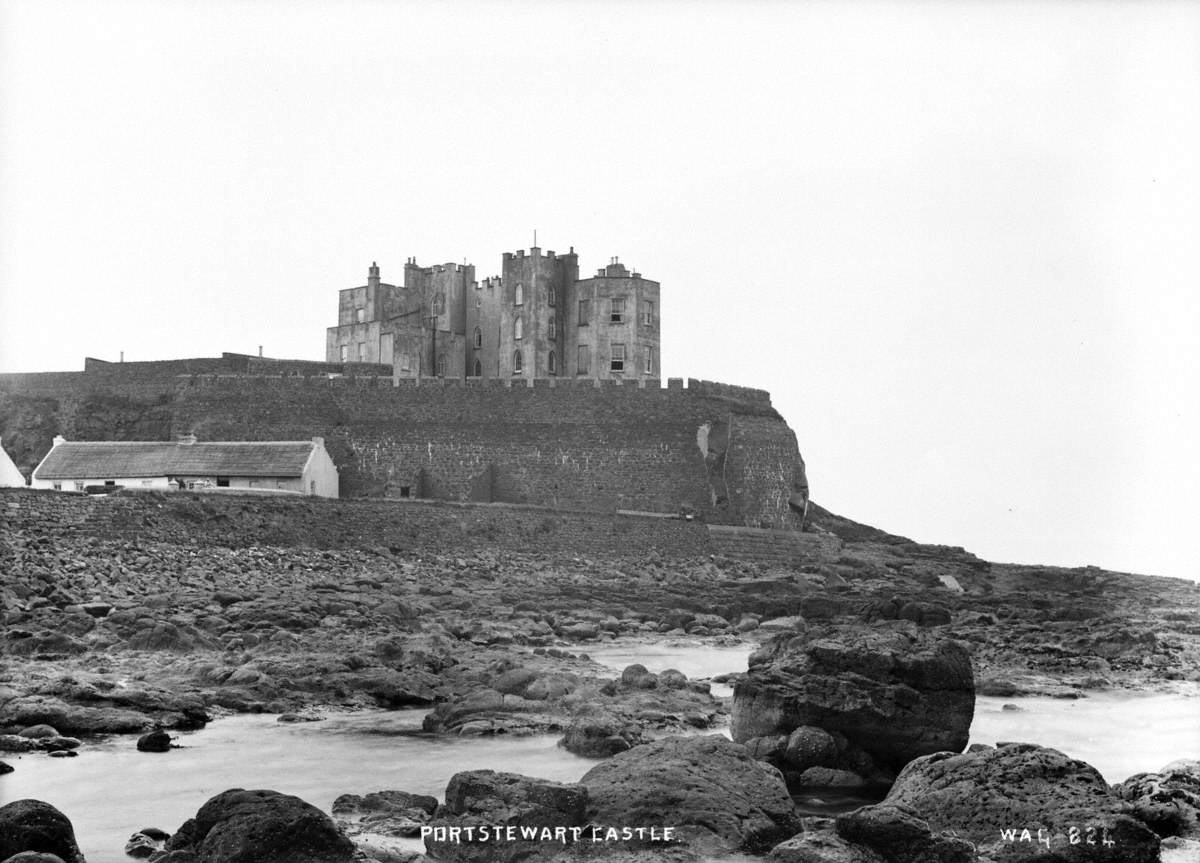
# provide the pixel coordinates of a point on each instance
(719, 452)
(537, 319)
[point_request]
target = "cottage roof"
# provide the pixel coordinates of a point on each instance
(84, 459)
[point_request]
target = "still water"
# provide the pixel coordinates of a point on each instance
(111, 790)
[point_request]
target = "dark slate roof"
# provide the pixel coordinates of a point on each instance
(84, 459)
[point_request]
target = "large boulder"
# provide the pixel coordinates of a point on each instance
(238, 826)
(31, 825)
(708, 788)
(894, 693)
(1167, 801)
(1018, 802)
(484, 800)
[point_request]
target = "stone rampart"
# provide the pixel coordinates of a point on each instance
(585, 444)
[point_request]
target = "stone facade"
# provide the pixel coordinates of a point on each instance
(566, 442)
(538, 319)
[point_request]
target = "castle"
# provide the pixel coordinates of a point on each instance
(533, 387)
(538, 319)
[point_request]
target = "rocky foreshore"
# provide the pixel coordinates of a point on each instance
(867, 665)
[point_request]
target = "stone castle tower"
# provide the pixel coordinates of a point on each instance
(537, 319)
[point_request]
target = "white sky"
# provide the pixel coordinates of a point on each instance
(958, 242)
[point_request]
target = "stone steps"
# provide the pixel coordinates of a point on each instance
(772, 547)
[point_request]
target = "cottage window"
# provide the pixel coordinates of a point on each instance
(616, 355)
(478, 337)
(222, 482)
(585, 360)
(516, 362)
(585, 312)
(550, 364)
(80, 485)
(58, 486)
(617, 310)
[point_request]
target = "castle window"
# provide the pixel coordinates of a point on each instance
(550, 364)
(585, 360)
(478, 303)
(648, 364)
(518, 328)
(439, 304)
(519, 295)
(345, 353)
(553, 326)
(478, 369)
(516, 362)
(616, 358)
(405, 363)
(478, 337)
(441, 366)
(647, 313)
(617, 310)
(550, 298)
(585, 312)
(360, 315)
(362, 352)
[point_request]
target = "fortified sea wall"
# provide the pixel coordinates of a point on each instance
(577, 444)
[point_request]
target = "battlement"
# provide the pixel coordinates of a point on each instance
(369, 378)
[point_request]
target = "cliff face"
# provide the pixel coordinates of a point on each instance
(722, 452)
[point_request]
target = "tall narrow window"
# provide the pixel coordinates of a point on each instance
(550, 364)
(585, 360)
(441, 366)
(478, 369)
(585, 312)
(439, 304)
(516, 362)
(550, 298)
(519, 295)
(345, 353)
(362, 352)
(360, 315)
(478, 337)
(648, 365)
(616, 358)
(617, 310)
(553, 326)
(647, 313)
(518, 328)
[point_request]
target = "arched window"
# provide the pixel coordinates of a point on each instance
(439, 304)
(478, 369)
(478, 337)
(518, 328)
(519, 296)
(516, 362)
(441, 366)
(550, 364)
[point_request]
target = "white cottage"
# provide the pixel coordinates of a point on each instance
(299, 467)
(10, 477)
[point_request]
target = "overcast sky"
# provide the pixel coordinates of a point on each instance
(958, 242)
